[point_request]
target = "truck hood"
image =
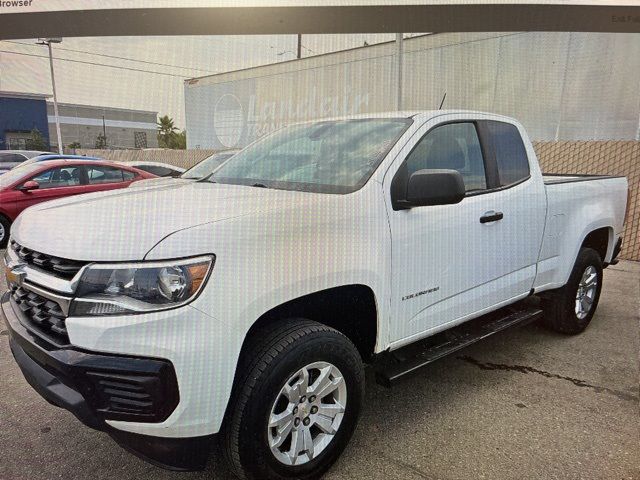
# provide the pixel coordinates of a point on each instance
(125, 224)
(159, 182)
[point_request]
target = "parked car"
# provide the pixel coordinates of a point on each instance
(199, 170)
(12, 158)
(158, 169)
(54, 156)
(47, 180)
(319, 248)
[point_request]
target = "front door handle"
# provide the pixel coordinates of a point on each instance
(491, 217)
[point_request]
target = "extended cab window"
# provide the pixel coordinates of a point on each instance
(58, 177)
(511, 156)
(454, 146)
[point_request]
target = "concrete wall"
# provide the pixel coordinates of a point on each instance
(562, 86)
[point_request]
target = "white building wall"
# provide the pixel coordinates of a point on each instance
(561, 86)
(83, 123)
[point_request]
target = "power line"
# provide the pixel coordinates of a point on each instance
(116, 57)
(95, 64)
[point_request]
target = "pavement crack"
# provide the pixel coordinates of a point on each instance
(526, 369)
(399, 463)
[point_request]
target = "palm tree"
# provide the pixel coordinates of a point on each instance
(166, 130)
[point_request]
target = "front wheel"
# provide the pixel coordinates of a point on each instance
(5, 226)
(296, 402)
(570, 309)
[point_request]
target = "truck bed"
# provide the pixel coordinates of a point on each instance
(555, 178)
(577, 205)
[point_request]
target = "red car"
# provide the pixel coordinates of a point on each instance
(39, 182)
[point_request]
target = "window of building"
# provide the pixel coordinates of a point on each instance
(140, 139)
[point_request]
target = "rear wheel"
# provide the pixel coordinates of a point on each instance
(570, 309)
(296, 403)
(5, 227)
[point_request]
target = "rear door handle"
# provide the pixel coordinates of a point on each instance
(492, 216)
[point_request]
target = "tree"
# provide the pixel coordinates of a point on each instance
(179, 140)
(169, 136)
(166, 131)
(36, 141)
(74, 145)
(101, 141)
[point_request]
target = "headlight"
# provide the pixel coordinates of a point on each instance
(114, 289)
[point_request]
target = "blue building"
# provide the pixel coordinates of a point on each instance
(20, 113)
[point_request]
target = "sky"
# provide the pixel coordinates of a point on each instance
(151, 70)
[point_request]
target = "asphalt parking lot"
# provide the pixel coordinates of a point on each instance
(526, 403)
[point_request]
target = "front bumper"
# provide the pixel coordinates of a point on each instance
(98, 388)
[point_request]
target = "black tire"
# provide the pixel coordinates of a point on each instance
(6, 227)
(560, 305)
(271, 357)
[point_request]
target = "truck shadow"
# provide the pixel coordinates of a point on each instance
(437, 391)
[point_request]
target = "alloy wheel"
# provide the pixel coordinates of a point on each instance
(586, 293)
(307, 413)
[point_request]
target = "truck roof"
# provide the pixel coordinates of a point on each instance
(422, 114)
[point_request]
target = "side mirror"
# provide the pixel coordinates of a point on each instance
(434, 187)
(28, 186)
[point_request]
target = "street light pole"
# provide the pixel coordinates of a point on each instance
(400, 65)
(48, 42)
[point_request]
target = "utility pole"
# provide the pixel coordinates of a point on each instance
(48, 42)
(400, 61)
(104, 130)
(299, 45)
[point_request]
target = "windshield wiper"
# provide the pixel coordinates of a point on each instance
(260, 185)
(206, 179)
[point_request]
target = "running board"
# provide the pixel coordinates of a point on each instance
(394, 365)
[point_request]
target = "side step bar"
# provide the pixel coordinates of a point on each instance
(396, 364)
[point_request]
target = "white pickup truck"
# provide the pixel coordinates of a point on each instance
(246, 303)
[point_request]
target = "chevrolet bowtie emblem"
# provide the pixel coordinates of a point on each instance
(15, 274)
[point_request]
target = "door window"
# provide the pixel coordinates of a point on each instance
(511, 156)
(156, 170)
(11, 158)
(58, 177)
(99, 174)
(454, 146)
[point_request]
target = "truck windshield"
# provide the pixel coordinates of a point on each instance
(206, 166)
(325, 157)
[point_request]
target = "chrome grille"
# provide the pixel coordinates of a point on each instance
(41, 313)
(61, 267)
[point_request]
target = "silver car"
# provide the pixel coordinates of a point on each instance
(13, 158)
